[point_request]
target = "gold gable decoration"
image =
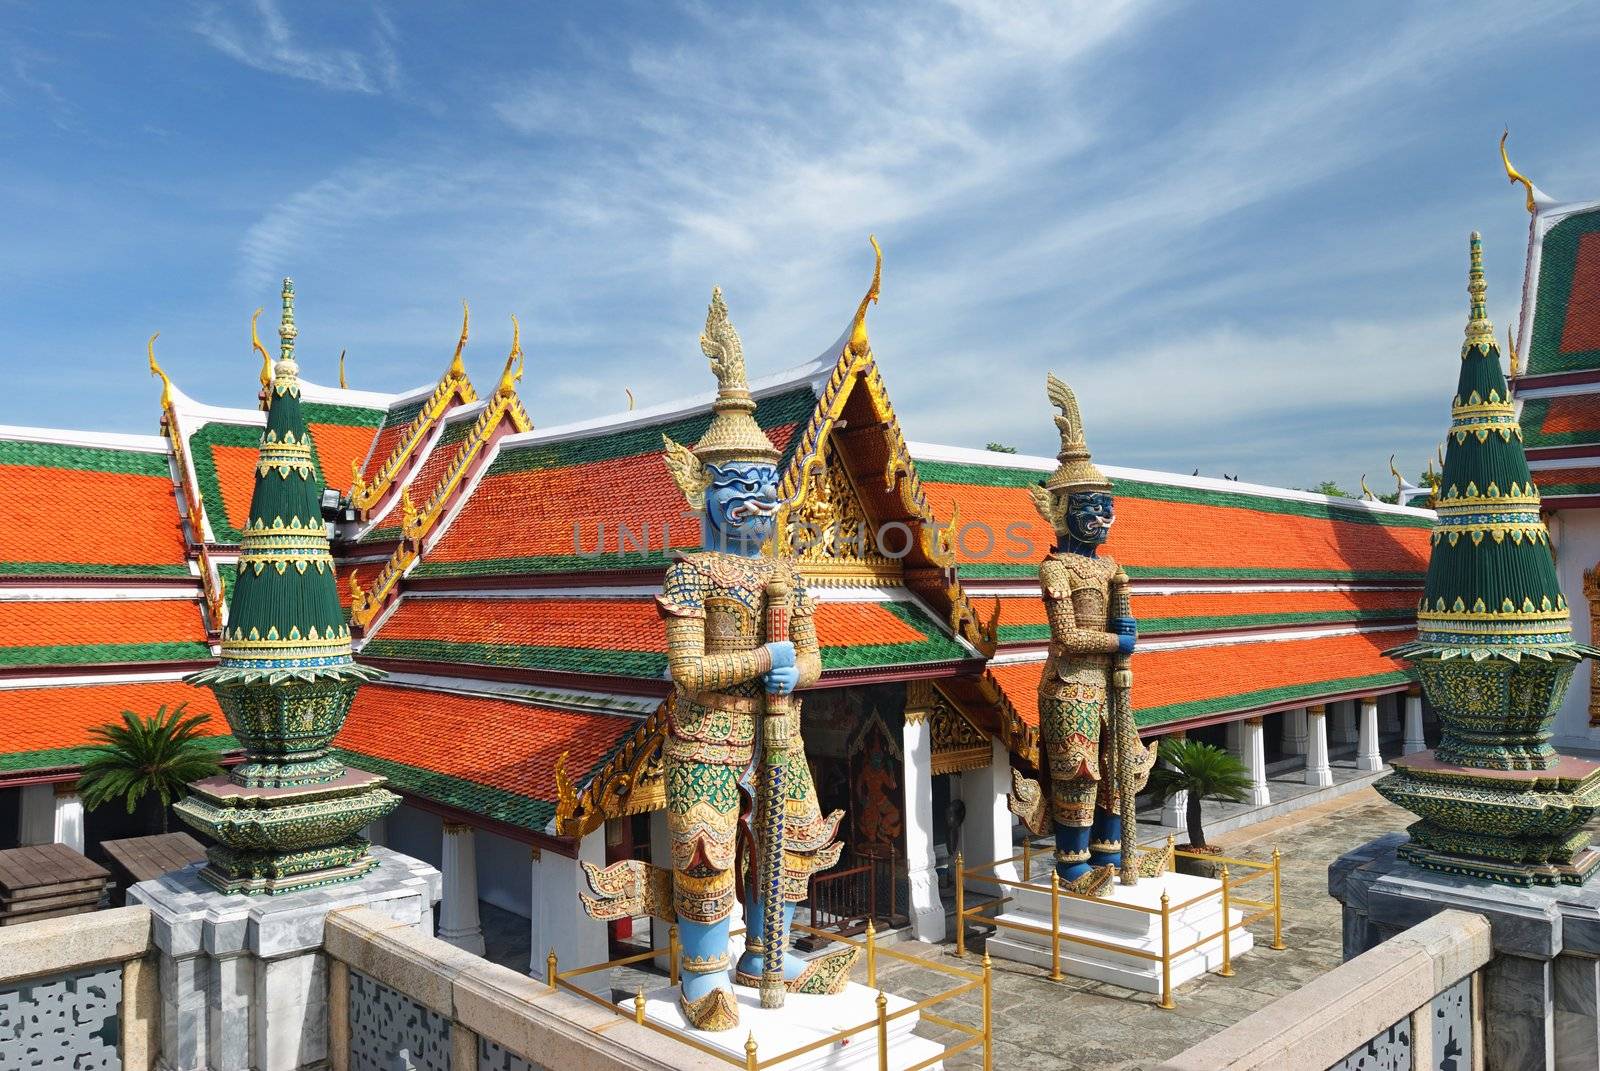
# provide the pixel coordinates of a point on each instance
(958, 743)
(830, 532)
(631, 782)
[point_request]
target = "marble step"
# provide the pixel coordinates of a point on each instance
(803, 1019)
(1118, 912)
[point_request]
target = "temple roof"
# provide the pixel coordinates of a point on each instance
(48, 718)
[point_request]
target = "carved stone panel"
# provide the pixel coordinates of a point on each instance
(66, 1021)
(389, 1030)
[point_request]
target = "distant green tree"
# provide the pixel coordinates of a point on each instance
(162, 753)
(1000, 448)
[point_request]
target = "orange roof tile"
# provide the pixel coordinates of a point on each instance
(58, 717)
(1191, 682)
(100, 630)
(82, 518)
(495, 756)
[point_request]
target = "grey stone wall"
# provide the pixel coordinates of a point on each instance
(389, 1030)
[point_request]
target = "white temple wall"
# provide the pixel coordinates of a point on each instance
(504, 877)
(417, 833)
(1576, 536)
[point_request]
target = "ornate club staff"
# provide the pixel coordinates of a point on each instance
(1127, 741)
(774, 755)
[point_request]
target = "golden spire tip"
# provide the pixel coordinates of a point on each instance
(859, 342)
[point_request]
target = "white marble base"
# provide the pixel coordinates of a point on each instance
(803, 1019)
(1110, 920)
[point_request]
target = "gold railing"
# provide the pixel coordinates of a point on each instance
(1255, 910)
(973, 1036)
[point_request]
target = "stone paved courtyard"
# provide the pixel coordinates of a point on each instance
(1081, 1024)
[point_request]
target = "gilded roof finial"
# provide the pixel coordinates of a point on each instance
(858, 328)
(514, 360)
(1515, 176)
(1399, 482)
(1366, 492)
(1511, 349)
(629, 393)
(457, 369)
(266, 358)
(342, 384)
(155, 370)
(1480, 331)
(286, 373)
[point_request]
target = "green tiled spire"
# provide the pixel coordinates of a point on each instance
(284, 619)
(1491, 589)
(288, 816)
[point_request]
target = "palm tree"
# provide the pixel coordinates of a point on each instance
(1203, 771)
(162, 754)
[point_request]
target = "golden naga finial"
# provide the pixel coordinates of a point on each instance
(342, 384)
(859, 342)
(1511, 351)
(266, 358)
(721, 345)
(408, 510)
(629, 393)
(1399, 482)
(514, 361)
(356, 592)
(358, 486)
(1515, 176)
(458, 369)
(155, 370)
(1366, 492)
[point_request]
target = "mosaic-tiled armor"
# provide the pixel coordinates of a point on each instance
(1091, 748)
(732, 673)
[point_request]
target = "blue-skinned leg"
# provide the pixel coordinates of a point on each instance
(1073, 864)
(1105, 839)
(704, 991)
(827, 973)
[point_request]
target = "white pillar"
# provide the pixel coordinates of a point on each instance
(1318, 772)
(458, 911)
(557, 921)
(1235, 739)
(36, 815)
(68, 816)
(1174, 809)
(1294, 732)
(1253, 742)
(377, 831)
(927, 911)
(1367, 755)
(986, 834)
(1414, 740)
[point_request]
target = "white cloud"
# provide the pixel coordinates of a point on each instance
(271, 45)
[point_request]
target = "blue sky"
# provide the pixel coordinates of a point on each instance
(1238, 230)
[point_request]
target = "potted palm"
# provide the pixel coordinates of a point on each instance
(1204, 772)
(159, 754)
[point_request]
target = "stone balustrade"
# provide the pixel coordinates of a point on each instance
(1414, 1001)
(79, 991)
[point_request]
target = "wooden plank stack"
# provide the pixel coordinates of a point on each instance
(45, 881)
(136, 859)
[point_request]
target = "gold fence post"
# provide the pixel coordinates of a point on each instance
(750, 1051)
(883, 1031)
(1027, 857)
(1166, 951)
(550, 969)
(674, 949)
(1277, 903)
(1055, 925)
(961, 908)
(1227, 928)
(1172, 852)
(638, 1006)
(988, 1013)
(872, 952)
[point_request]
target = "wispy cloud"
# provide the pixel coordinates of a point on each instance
(268, 43)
